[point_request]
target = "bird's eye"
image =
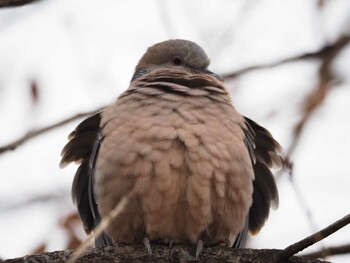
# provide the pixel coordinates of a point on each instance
(176, 60)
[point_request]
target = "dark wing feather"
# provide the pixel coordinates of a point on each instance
(83, 146)
(264, 151)
(241, 239)
(81, 141)
(78, 148)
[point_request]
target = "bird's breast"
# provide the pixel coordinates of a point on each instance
(186, 163)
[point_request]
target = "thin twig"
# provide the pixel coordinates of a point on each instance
(34, 133)
(291, 250)
(319, 54)
(13, 3)
(47, 197)
(101, 227)
(329, 251)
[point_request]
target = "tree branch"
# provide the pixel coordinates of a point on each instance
(14, 3)
(291, 250)
(160, 254)
(34, 133)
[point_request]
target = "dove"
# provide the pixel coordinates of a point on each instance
(199, 171)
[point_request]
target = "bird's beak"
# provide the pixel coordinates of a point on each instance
(206, 71)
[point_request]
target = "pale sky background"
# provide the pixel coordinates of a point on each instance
(82, 54)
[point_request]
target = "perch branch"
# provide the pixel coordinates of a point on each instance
(162, 254)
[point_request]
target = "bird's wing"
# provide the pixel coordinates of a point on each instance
(265, 153)
(83, 146)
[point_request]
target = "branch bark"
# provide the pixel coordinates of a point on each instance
(160, 254)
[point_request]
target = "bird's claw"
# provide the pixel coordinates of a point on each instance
(147, 244)
(199, 248)
(171, 243)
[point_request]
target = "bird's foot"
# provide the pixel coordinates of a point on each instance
(224, 243)
(199, 248)
(147, 244)
(170, 243)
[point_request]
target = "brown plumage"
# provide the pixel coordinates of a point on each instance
(199, 170)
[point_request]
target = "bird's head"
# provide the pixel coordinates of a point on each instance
(175, 54)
